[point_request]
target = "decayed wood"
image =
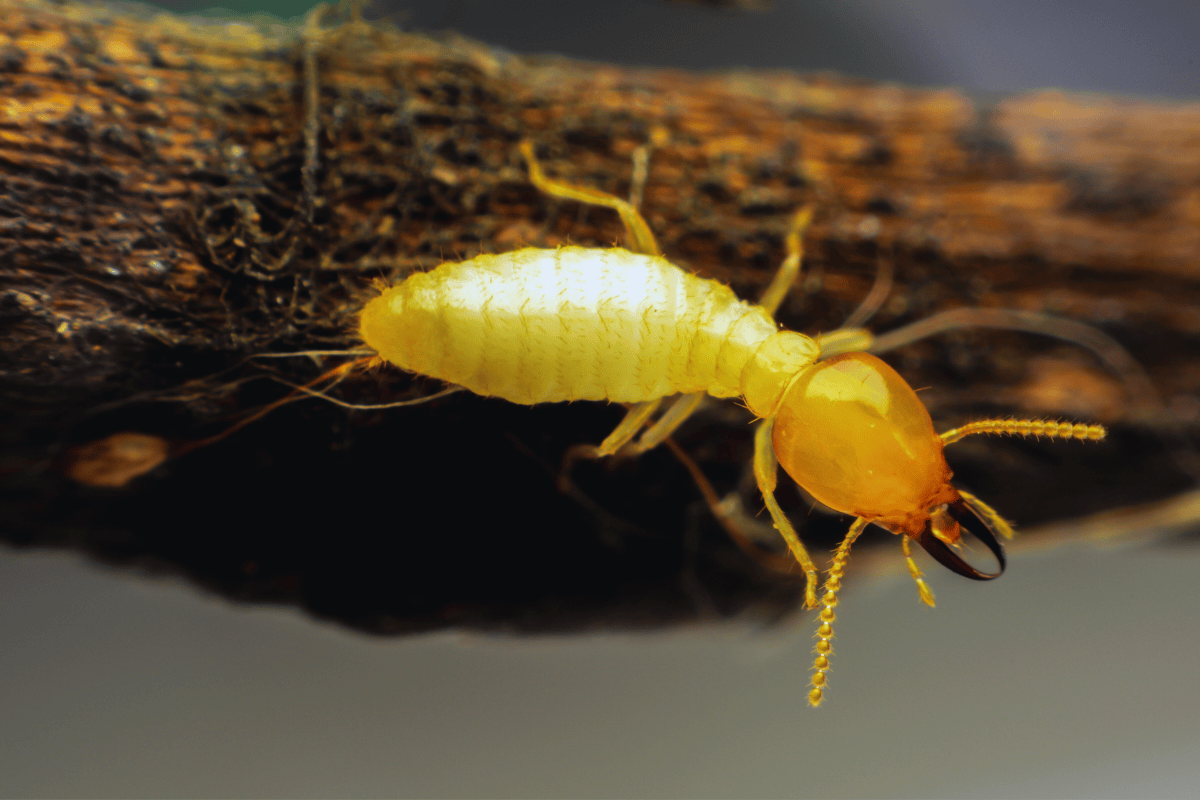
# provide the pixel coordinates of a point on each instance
(176, 196)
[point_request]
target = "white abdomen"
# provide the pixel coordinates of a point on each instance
(537, 326)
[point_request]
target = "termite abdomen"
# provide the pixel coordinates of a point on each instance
(538, 326)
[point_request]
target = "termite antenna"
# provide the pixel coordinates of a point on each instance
(992, 521)
(1027, 427)
(829, 600)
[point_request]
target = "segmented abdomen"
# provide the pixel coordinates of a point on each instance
(537, 326)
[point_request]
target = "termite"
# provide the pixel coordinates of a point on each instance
(625, 325)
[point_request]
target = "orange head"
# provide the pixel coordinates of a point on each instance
(854, 434)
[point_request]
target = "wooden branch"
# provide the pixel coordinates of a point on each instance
(178, 196)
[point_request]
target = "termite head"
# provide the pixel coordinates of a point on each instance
(854, 434)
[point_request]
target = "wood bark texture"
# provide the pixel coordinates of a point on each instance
(177, 196)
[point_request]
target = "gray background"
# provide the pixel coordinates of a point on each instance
(1074, 675)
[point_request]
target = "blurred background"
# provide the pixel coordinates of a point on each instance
(1071, 676)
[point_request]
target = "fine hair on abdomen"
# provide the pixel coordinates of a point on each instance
(536, 326)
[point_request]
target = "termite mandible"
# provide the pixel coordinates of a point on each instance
(542, 325)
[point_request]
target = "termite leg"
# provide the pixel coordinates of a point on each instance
(852, 337)
(675, 416)
(620, 441)
(844, 340)
(659, 136)
(728, 510)
(623, 434)
(733, 517)
(641, 240)
(633, 421)
(875, 298)
(766, 472)
(789, 270)
(641, 172)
